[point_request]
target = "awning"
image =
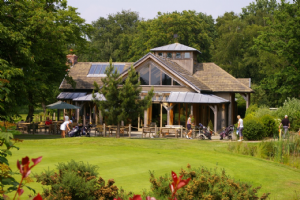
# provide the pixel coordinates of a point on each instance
(190, 97)
(70, 95)
(89, 97)
(62, 105)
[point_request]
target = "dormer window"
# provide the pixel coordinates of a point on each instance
(178, 55)
(169, 55)
(187, 55)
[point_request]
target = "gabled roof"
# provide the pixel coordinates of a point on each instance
(218, 79)
(245, 81)
(176, 70)
(175, 47)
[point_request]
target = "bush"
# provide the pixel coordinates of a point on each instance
(291, 108)
(269, 126)
(252, 109)
(210, 125)
(76, 180)
(253, 129)
(204, 184)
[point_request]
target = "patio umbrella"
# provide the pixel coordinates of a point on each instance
(62, 105)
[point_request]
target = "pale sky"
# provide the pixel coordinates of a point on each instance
(91, 10)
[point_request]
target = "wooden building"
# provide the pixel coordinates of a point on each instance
(182, 86)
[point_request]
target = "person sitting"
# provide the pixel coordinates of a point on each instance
(48, 121)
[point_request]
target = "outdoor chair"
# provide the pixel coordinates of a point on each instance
(21, 127)
(41, 126)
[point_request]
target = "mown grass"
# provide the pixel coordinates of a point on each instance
(128, 161)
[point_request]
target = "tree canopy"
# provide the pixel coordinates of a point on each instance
(35, 38)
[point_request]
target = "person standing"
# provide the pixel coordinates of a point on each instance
(240, 127)
(189, 127)
(66, 117)
(286, 125)
(65, 126)
(73, 118)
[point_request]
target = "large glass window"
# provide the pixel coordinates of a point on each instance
(169, 55)
(178, 55)
(187, 55)
(175, 82)
(144, 75)
(166, 80)
(155, 76)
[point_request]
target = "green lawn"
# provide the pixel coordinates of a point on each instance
(128, 161)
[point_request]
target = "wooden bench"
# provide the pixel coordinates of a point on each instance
(171, 129)
(148, 130)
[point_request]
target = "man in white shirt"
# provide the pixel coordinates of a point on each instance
(63, 128)
(240, 127)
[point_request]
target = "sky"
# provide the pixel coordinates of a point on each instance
(91, 10)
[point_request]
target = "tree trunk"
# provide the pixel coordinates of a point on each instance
(29, 117)
(44, 109)
(118, 130)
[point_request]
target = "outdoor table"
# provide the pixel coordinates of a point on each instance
(25, 125)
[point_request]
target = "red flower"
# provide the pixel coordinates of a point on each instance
(117, 198)
(36, 160)
(136, 197)
(24, 166)
(38, 197)
(177, 184)
(20, 191)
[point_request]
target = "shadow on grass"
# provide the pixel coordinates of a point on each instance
(37, 137)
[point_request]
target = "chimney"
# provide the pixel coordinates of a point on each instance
(72, 59)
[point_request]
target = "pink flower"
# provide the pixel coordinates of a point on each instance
(24, 165)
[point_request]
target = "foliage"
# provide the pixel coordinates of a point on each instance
(204, 184)
(112, 37)
(233, 46)
(270, 127)
(76, 180)
(34, 40)
(251, 109)
(282, 40)
(291, 107)
(210, 125)
(192, 28)
(282, 151)
(253, 129)
(122, 102)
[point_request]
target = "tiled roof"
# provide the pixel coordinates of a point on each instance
(175, 47)
(190, 97)
(217, 79)
(245, 81)
(79, 74)
(180, 71)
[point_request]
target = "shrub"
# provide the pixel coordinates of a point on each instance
(204, 184)
(252, 109)
(76, 180)
(210, 125)
(291, 108)
(269, 126)
(253, 129)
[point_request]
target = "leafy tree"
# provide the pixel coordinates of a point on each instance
(282, 40)
(122, 102)
(35, 36)
(112, 37)
(234, 46)
(193, 29)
